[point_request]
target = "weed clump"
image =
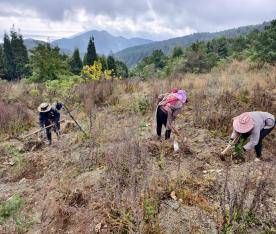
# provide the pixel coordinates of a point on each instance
(14, 118)
(12, 210)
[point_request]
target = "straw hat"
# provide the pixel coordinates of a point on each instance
(243, 123)
(44, 107)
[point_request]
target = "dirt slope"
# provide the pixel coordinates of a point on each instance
(70, 188)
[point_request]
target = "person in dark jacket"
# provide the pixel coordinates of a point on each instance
(50, 115)
(57, 106)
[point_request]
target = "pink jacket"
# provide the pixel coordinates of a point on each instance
(171, 105)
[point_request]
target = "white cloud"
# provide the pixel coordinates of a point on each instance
(157, 19)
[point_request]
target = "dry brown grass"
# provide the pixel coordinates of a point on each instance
(134, 184)
(14, 118)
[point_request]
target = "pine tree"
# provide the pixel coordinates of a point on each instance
(47, 63)
(1, 63)
(177, 52)
(264, 44)
(222, 47)
(121, 69)
(84, 59)
(8, 59)
(91, 52)
(111, 65)
(20, 55)
(75, 63)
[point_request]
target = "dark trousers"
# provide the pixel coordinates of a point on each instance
(258, 147)
(49, 134)
(161, 119)
(56, 128)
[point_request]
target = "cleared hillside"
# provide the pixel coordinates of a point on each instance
(119, 179)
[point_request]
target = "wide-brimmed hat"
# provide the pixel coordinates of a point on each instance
(44, 107)
(181, 95)
(243, 123)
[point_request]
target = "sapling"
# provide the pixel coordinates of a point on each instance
(239, 150)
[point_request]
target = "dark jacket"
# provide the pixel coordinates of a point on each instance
(47, 118)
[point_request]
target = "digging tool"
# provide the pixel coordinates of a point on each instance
(229, 146)
(178, 138)
(72, 117)
(37, 131)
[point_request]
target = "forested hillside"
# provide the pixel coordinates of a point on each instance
(202, 56)
(131, 56)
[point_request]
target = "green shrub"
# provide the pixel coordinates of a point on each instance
(10, 208)
(150, 210)
(63, 85)
(143, 106)
(18, 160)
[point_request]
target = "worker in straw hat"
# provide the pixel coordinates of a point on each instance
(256, 125)
(168, 108)
(50, 115)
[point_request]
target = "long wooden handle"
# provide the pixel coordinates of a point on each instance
(37, 131)
(230, 145)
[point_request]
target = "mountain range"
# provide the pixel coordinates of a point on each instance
(131, 56)
(105, 42)
(132, 50)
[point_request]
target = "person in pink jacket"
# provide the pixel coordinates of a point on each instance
(168, 108)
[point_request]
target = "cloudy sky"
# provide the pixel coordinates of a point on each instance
(154, 19)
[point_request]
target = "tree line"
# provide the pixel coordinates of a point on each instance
(202, 56)
(45, 62)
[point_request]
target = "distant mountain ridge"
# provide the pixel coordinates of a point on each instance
(105, 42)
(131, 56)
(32, 43)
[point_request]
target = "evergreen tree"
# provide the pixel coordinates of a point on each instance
(8, 59)
(158, 58)
(20, 55)
(91, 52)
(177, 52)
(111, 65)
(75, 63)
(84, 59)
(47, 63)
(265, 44)
(222, 47)
(1, 63)
(121, 69)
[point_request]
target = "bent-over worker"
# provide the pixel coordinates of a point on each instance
(50, 115)
(168, 108)
(256, 125)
